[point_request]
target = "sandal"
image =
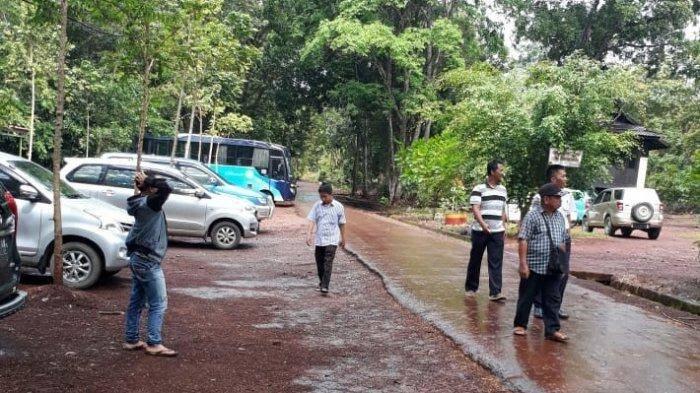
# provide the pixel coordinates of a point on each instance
(520, 331)
(558, 337)
(163, 352)
(133, 347)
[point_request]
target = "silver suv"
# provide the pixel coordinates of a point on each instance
(208, 179)
(191, 211)
(93, 231)
(626, 209)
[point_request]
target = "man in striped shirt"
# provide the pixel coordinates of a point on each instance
(489, 203)
(328, 217)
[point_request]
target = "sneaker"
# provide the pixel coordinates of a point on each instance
(537, 312)
(497, 297)
(563, 314)
(324, 290)
(470, 293)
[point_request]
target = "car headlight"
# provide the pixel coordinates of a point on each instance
(262, 201)
(250, 209)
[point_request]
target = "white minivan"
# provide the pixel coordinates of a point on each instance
(191, 211)
(93, 232)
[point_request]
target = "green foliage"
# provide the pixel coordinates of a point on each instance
(517, 117)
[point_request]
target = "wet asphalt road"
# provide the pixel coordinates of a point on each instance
(614, 346)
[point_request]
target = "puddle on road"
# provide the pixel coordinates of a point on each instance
(215, 293)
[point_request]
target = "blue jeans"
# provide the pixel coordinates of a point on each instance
(147, 286)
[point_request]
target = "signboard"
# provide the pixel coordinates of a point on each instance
(567, 158)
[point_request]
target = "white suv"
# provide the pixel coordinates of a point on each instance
(93, 232)
(626, 209)
(191, 211)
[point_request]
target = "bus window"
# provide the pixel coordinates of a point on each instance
(250, 156)
(278, 168)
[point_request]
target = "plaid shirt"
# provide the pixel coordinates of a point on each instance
(534, 230)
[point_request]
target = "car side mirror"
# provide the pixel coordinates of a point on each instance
(200, 194)
(28, 192)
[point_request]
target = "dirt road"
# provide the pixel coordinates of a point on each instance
(243, 320)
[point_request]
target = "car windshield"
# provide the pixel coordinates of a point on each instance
(44, 177)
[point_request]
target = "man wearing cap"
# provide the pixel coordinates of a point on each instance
(540, 230)
(556, 174)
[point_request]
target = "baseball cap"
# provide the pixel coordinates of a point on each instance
(550, 189)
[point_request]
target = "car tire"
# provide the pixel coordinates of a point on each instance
(609, 228)
(643, 212)
(80, 255)
(226, 235)
(626, 232)
(654, 233)
(585, 225)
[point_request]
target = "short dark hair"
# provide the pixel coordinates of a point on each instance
(325, 188)
(552, 169)
(492, 166)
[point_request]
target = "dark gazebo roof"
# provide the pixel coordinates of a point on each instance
(650, 140)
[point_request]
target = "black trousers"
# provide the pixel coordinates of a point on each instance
(324, 262)
(548, 285)
(493, 244)
(563, 279)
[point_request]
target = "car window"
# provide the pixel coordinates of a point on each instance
(198, 175)
(39, 174)
(606, 197)
(119, 177)
(178, 186)
(87, 174)
(619, 194)
(10, 183)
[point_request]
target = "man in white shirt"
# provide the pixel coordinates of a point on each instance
(327, 216)
(556, 174)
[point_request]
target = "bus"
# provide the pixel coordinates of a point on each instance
(257, 165)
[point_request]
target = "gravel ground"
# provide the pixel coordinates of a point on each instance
(243, 320)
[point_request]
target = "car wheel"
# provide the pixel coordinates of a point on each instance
(82, 266)
(654, 233)
(643, 212)
(626, 232)
(585, 225)
(226, 235)
(609, 228)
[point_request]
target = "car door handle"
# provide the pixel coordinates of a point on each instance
(108, 192)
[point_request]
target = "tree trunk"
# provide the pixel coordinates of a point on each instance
(355, 160)
(145, 98)
(57, 135)
(30, 150)
(87, 138)
(428, 126)
(201, 130)
(366, 159)
(211, 132)
(176, 125)
(189, 133)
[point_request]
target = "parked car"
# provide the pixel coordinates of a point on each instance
(93, 232)
(191, 210)
(209, 180)
(626, 209)
(582, 200)
(11, 299)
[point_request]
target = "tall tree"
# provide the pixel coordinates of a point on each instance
(647, 32)
(57, 137)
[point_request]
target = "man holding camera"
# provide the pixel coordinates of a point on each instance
(146, 245)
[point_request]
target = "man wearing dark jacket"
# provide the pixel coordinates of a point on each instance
(146, 245)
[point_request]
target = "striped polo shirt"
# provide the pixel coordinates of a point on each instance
(328, 219)
(492, 201)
